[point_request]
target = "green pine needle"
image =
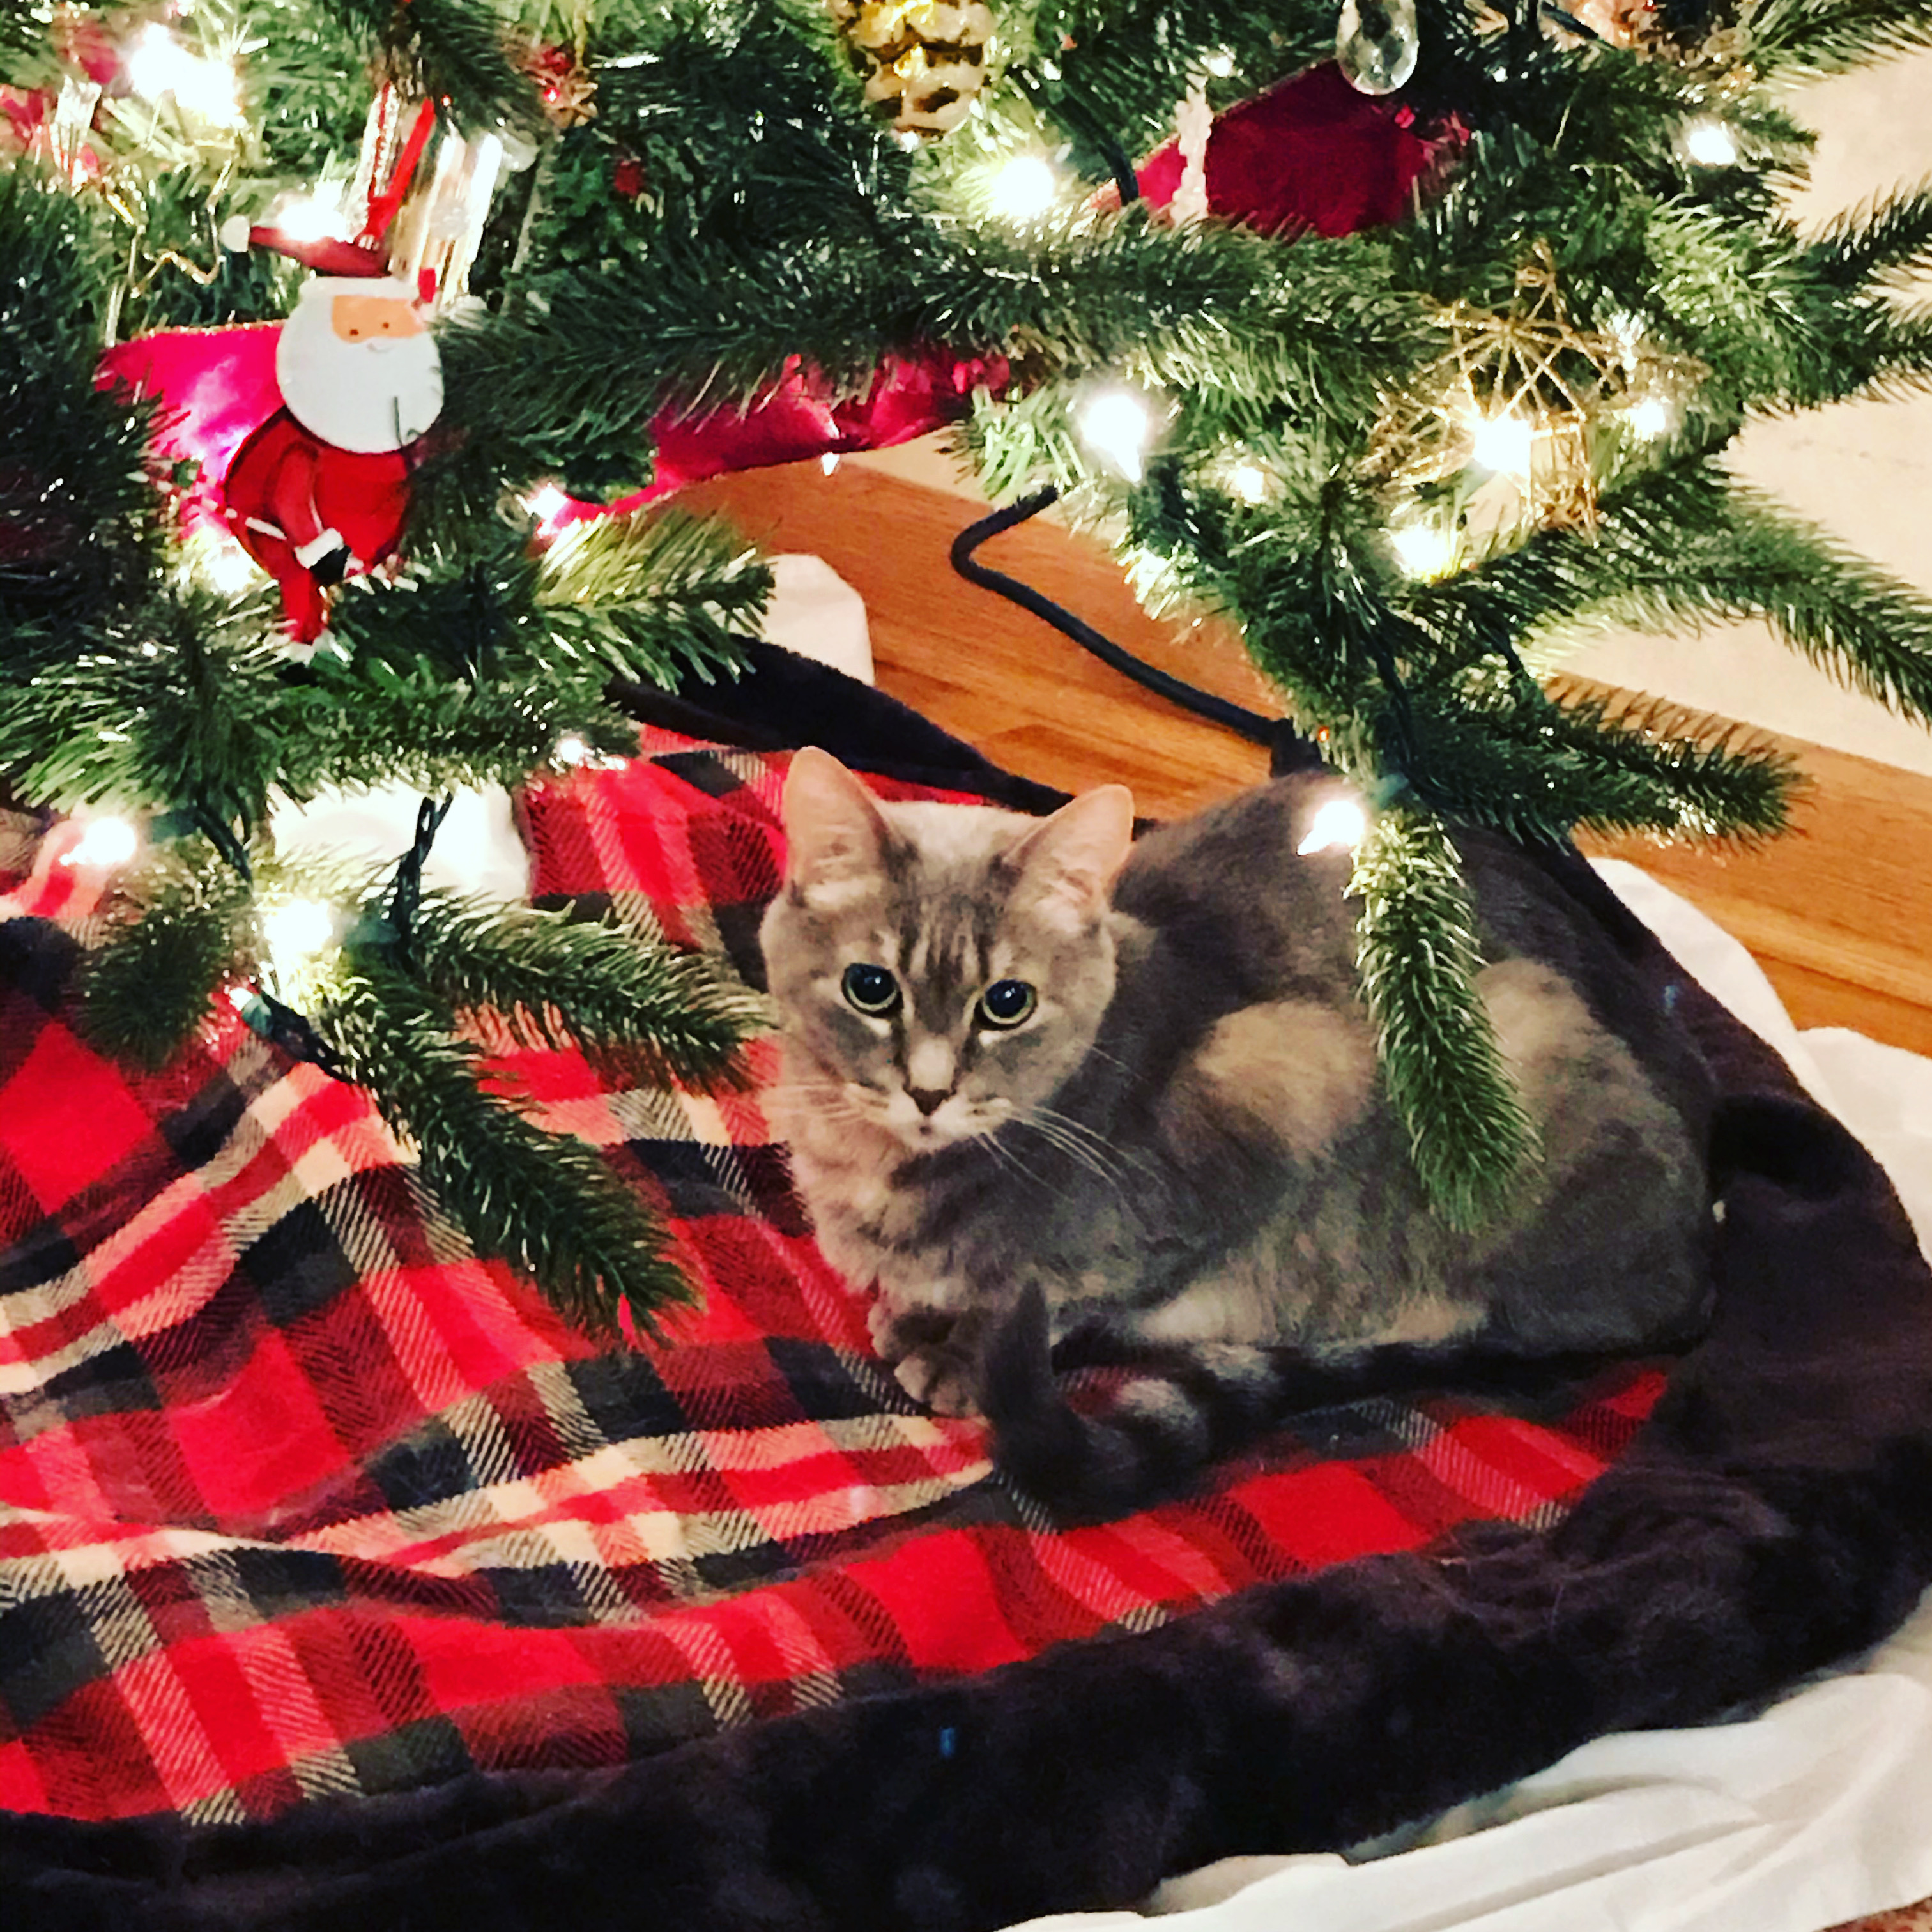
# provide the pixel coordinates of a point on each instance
(546, 1204)
(1791, 38)
(182, 929)
(1888, 240)
(1417, 952)
(662, 1015)
(453, 51)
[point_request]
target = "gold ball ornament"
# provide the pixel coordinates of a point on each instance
(923, 61)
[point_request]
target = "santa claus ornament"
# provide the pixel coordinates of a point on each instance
(320, 490)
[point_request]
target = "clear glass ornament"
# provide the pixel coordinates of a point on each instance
(1376, 42)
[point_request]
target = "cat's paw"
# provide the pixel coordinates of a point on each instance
(943, 1379)
(934, 1355)
(896, 1334)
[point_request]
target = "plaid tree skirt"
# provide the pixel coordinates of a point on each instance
(298, 1499)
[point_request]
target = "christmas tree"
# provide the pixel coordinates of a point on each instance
(1412, 428)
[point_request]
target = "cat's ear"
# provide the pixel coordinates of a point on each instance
(835, 833)
(1066, 864)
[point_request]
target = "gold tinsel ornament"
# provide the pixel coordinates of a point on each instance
(1526, 398)
(923, 61)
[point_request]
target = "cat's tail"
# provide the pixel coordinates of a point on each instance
(1183, 1407)
(1180, 1410)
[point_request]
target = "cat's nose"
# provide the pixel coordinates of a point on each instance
(928, 1099)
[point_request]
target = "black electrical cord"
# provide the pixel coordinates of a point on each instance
(1251, 725)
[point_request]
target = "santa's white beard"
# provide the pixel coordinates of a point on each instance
(364, 396)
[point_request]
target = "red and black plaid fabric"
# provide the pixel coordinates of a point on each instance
(297, 1498)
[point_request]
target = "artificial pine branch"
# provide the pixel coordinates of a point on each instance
(179, 930)
(23, 40)
(414, 728)
(452, 51)
(1539, 771)
(1417, 956)
(1889, 240)
(1111, 70)
(1214, 307)
(1792, 38)
(662, 1015)
(179, 700)
(1722, 780)
(78, 503)
(1868, 630)
(653, 596)
(545, 1203)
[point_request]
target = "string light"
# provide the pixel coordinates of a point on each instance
(1117, 426)
(294, 931)
(228, 568)
(1650, 419)
(1426, 549)
(104, 844)
(828, 463)
(1249, 481)
(1503, 443)
(1340, 821)
(548, 504)
(1710, 144)
(1026, 186)
(158, 64)
(570, 750)
(307, 217)
(1220, 64)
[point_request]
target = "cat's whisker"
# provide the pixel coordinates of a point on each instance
(1101, 1147)
(1086, 1152)
(1004, 1156)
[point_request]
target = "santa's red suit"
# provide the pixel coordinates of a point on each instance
(309, 512)
(320, 490)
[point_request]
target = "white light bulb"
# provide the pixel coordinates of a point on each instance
(105, 843)
(1117, 427)
(1341, 821)
(1025, 187)
(828, 463)
(547, 504)
(229, 569)
(1220, 64)
(157, 64)
(307, 217)
(1650, 419)
(1503, 443)
(1426, 549)
(1711, 144)
(1249, 481)
(296, 930)
(570, 750)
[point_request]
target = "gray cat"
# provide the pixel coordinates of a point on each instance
(1043, 1083)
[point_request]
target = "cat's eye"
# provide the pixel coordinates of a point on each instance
(870, 989)
(1007, 1003)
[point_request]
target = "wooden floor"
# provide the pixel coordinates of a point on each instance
(1839, 913)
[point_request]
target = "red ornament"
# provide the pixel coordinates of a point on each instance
(320, 491)
(304, 432)
(1310, 155)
